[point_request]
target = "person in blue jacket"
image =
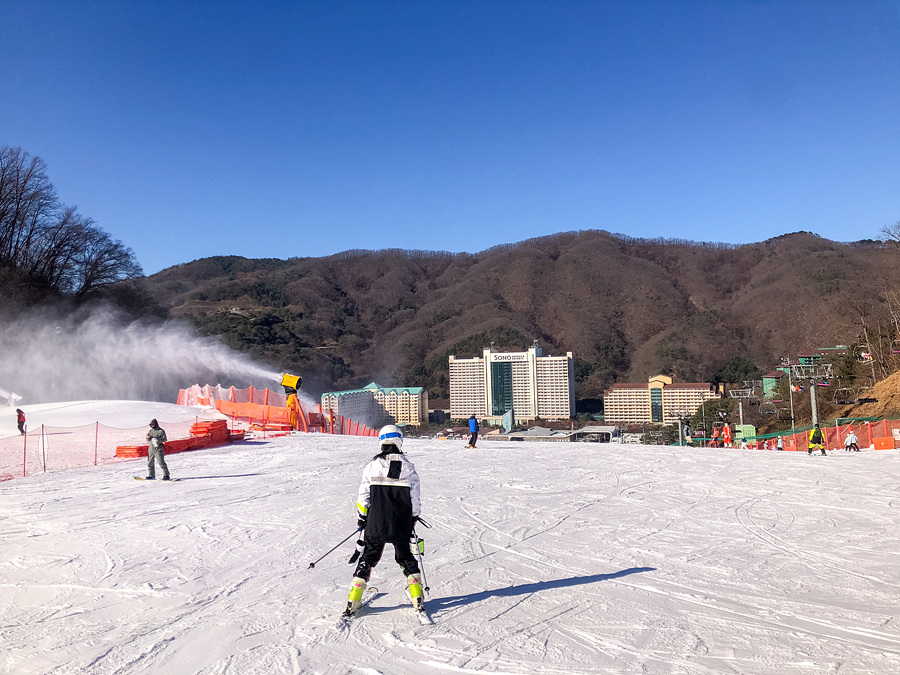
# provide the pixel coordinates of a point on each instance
(473, 429)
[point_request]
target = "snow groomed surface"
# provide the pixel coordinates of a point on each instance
(542, 559)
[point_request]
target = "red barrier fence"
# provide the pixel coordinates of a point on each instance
(875, 434)
(206, 434)
(271, 411)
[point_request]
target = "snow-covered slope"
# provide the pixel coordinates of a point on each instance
(117, 414)
(543, 559)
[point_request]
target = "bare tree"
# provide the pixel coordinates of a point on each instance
(27, 202)
(870, 338)
(891, 234)
(102, 261)
(51, 244)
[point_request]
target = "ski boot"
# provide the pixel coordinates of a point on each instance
(357, 589)
(416, 596)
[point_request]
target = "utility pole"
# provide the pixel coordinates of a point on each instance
(791, 394)
(812, 401)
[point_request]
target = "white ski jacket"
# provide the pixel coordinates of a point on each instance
(389, 497)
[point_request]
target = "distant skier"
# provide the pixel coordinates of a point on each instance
(816, 440)
(714, 441)
(156, 437)
(779, 445)
(473, 430)
(388, 506)
(851, 442)
(20, 418)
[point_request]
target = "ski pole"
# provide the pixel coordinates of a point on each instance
(313, 564)
(419, 548)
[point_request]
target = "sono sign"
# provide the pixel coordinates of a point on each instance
(507, 358)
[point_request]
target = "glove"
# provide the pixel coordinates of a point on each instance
(415, 520)
(361, 522)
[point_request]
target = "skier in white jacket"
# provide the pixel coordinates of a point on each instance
(388, 506)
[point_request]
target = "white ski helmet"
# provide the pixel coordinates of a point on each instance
(391, 435)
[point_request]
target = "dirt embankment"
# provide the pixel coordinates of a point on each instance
(888, 394)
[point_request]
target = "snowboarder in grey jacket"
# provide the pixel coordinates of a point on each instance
(387, 507)
(156, 438)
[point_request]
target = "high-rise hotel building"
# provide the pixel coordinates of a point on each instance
(529, 383)
(659, 401)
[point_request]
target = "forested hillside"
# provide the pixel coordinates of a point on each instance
(626, 308)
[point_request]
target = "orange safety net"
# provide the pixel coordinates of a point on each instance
(48, 448)
(270, 410)
(878, 435)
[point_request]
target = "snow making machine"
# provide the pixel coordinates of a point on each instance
(291, 383)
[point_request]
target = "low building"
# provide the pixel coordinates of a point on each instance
(659, 401)
(770, 382)
(590, 434)
(376, 405)
(822, 354)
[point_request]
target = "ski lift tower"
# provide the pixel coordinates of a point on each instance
(818, 374)
(740, 395)
(786, 361)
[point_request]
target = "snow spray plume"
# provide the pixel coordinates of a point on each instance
(98, 354)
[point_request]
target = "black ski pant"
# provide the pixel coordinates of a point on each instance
(473, 438)
(372, 554)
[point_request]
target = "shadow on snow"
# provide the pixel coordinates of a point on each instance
(435, 605)
(239, 475)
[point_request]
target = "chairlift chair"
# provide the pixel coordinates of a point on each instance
(784, 414)
(863, 354)
(767, 408)
(844, 396)
(864, 396)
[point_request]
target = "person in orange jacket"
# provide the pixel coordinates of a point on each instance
(714, 443)
(726, 436)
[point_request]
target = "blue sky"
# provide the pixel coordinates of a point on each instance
(283, 129)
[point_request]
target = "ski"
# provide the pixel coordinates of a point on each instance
(370, 594)
(422, 616)
(171, 480)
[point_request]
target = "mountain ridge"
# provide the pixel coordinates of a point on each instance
(627, 308)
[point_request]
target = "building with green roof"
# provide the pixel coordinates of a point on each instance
(376, 405)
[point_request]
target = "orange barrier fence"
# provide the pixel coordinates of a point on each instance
(270, 410)
(875, 434)
(205, 434)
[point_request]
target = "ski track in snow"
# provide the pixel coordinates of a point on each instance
(543, 559)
